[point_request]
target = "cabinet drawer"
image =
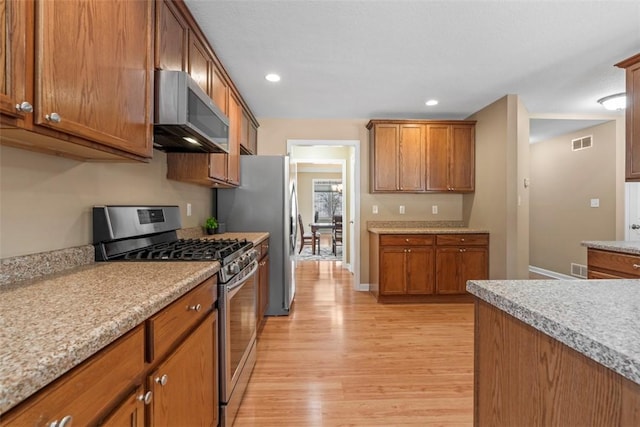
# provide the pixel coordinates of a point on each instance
(172, 323)
(612, 261)
(265, 247)
(462, 239)
(86, 392)
(406, 240)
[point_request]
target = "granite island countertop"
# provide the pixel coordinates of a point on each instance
(625, 247)
(53, 323)
(426, 230)
(598, 318)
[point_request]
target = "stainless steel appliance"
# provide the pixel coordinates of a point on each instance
(185, 117)
(266, 201)
(148, 233)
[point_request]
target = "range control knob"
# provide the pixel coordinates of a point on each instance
(234, 268)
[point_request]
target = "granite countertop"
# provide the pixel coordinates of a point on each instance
(51, 324)
(425, 230)
(625, 247)
(598, 318)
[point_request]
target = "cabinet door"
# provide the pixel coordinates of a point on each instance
(253, 138)
(171, 38)
(13, 27)
(392, 271)
(233, 158)
(95, 81)
(130, 413)
(632, 122)
(462, 158)
(411, 158)
(474, 266)
(385, 157)
(420, 271)
(220, 95)
(244, 130)
(437, 157)
(183, 385)
(448, 270)
(199, 63)
(263, 290)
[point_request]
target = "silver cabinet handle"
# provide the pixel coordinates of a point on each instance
(462, 240)
(53, 118)
(196, 307)
(64, 422)
(409, 250)
(636, 266)
(24, 107)
(406, 240)
(162, 380)
(146, 398)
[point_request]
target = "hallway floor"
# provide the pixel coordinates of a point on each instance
(341, 359)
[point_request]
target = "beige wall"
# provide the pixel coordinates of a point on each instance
(562, 184)
(500, 130)
(45, 201)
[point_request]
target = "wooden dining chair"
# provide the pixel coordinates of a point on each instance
(336, 233)
(304, 237)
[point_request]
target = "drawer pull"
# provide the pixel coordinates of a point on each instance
(462, 240)
(24, 107)
(146, 398)
(195, 308)
(65, 422)
(162, 380)
(53, 118)
(406, 240)
(636, 266)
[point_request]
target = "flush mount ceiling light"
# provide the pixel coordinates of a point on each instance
(272, 77)
(614, 102)
(191, 140)
(431, 102)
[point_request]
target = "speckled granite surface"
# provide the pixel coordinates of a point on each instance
(50, 325)
(614, 246)
(414, 224)
(598, 318)
(420, 227)
(198, 233)
(41, 264)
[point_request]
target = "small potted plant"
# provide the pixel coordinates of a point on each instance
(210, 225)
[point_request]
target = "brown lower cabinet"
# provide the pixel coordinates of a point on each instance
(524, 377)
(263, 284)
(426, 267)
(115, 387)
(612, 265)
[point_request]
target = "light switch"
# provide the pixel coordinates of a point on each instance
(374, 209)
(595, 203)
(434, 209)
(402, 209)
(188, 209)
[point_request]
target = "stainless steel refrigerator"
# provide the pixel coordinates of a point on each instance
(266, 201)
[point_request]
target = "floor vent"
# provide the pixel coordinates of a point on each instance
(581, 143)
(579, 270)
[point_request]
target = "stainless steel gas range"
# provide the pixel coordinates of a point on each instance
(149, 233)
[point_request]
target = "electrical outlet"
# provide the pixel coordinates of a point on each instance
(434, 209)
(188, 209)
(374, 209)
(402, 209)
(595, 203)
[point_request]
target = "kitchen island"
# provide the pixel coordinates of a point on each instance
(555, 352)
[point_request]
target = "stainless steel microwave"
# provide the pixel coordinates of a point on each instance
(185, 118)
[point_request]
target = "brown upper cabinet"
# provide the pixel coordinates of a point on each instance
(181, 45)
(52, 100)
(417, 156)
(632, 120)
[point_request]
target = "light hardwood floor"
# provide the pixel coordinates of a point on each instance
(341, 359)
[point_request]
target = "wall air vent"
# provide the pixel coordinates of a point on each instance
(581, 143)
(579, 270)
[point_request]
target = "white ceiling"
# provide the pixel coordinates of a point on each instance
(384, 59)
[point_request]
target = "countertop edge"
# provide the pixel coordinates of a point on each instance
(620, 246)
(411, 230)
(577, 341)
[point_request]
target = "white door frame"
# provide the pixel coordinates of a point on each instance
(354, 244)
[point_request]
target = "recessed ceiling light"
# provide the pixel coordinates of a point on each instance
(272, 77)
(191, 140)
(431, 102)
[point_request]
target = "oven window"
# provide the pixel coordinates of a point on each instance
(242, 316)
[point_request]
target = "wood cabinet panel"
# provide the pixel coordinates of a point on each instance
(419, 271)
(199, 63)
(462, 239)
(114, 109)
(86, 393)
(392, 271)
(385, 142)
(176, 320)
(450, 157)
(183, 384)
(456, 265)
(615, 264)
(437, 157)
(233, 158)
(171, 33)
(462, 158)
(15, 16)
(411, 158)
(220, 90)
(523, 374)
(263, 284)
(130, 413)
(632, 118)
(406, 239)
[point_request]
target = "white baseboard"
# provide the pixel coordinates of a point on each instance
(552, 274)
(364, 287)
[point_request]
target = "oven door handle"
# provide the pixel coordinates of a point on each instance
(244, 278)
